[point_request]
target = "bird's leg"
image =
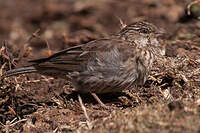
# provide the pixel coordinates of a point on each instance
(98, 100)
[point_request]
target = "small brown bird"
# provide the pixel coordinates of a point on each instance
(121, 61)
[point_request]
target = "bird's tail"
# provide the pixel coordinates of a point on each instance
(18, 71)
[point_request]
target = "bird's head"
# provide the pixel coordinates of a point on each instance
(142, 28)
(143, 34)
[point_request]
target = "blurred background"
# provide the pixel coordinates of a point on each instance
(64, 23)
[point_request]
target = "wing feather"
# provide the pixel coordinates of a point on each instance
(103, 56)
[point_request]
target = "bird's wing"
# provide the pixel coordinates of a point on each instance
(66, 60)
(108, 55)
(100, 55)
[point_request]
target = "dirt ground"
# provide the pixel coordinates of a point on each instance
(31, 103)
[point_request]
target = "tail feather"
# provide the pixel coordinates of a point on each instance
(19, 71)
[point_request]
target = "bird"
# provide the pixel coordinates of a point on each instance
(111, 64)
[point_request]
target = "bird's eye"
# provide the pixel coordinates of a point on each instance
(145, 31)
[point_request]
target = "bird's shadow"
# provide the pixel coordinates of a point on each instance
(107, 98)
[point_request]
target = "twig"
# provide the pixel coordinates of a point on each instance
(26, 45)
(48, 46)
(34, 34)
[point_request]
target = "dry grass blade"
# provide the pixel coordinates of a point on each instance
(191, 4)
(122, 24)
(85, 112)
(10, 124)
(2, 67)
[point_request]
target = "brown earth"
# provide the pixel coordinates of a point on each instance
(168, 102)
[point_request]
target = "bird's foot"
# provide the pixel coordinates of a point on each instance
(99, 101)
